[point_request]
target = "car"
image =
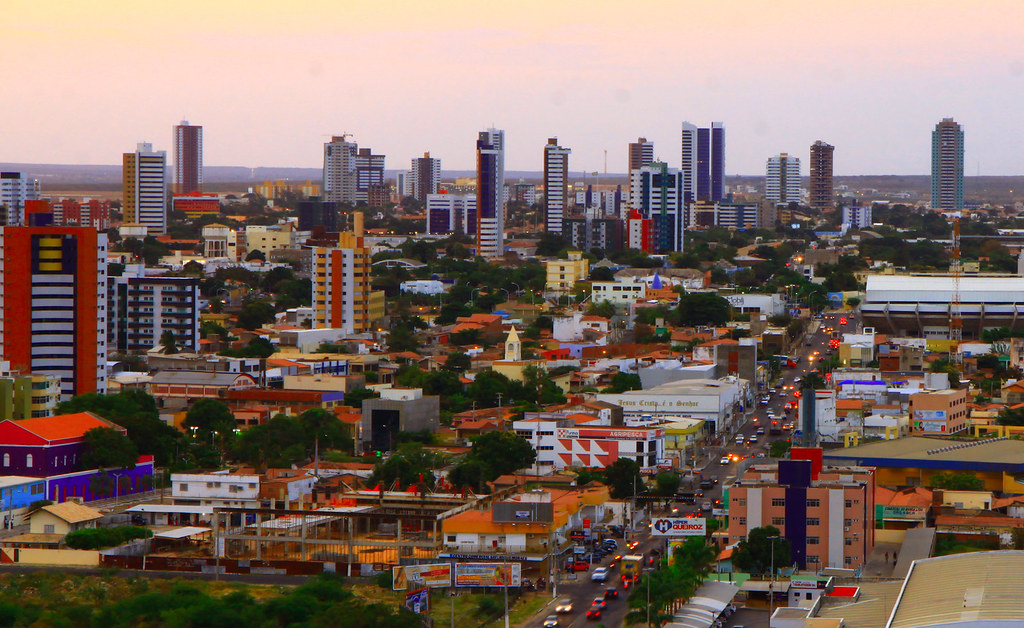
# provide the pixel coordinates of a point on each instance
(599, 602)
(600, 575)
(581, 565)
(759, 454)
(724, 460)
(760, 431)
(707, 483)
(705, 505)
(551, 621)
(594, 613)
(633, 545)
(563, 607)
(612, 543)
(611, 593)
(739, 440)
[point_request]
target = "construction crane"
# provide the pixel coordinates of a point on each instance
(956, 321)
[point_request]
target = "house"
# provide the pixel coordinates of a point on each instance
(60, 519)
(47, 446)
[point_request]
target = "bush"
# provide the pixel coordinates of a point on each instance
(101, 538)
(384, 579)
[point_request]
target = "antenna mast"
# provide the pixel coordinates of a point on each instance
(956, 322)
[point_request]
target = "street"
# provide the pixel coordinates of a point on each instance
(582, 591)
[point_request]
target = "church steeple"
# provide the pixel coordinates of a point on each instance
(513, 347)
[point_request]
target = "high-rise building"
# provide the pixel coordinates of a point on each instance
(593, 230)
(641, 153)
(782, 179)
(15, 189)
(424, 178)
(143, 308)
(316, 212)
(53, 317)
(556, 184)
(703, 162)
(490, 186)
(342, 298)
(370, 178)
(704, 214)
(451, 213)
(339, 183)
(658, 196)
(144, 174)
(196, 204)
(948, 166)
(188, 158)
(857, 217)
(821, 196)
(88, 213)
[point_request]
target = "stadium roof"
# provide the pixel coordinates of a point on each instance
(961, 590)
(990, 454)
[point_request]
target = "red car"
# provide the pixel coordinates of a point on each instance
(594, 613)
(581, 565)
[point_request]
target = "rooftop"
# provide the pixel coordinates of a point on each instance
(992, 454)
(72, 512)
(64, 426)
(972, 589)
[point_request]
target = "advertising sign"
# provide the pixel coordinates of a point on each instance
(798, 583)
(488, 575)
(904, 512)
(930, 426)
(433, 575)
(678, 526)
(929, 415)
(418, 601)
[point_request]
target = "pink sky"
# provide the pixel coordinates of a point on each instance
(271, 81)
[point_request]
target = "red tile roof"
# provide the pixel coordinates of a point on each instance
(64, 426)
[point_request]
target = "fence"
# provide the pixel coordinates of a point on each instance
(226, 565)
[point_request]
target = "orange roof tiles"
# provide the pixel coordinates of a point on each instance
(64, 426)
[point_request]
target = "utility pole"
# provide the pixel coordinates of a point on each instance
(771, 582)
(508, 575)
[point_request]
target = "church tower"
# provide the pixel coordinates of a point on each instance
(513, 347)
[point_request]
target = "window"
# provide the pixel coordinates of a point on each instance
(813, 559)
(28, 460)
(847, 522)
(849, 541)
(778, 501)
(7, 460)
(183, 487)
(37, 489)
(808, 595)
(812, 540)
(848, 560)
(545, 447)
(813, 503)
(849, 503)
(743, 521)
(741, 501)
(813, 521)
(778, 521)
(451, 538)
(640, 446)
(48, 528)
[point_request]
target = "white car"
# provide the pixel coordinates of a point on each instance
(563, 607)
(724, 460)
(599, 575)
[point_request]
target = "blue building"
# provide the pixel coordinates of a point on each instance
(17, 492)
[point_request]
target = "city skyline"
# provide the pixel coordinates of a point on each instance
(880, 82)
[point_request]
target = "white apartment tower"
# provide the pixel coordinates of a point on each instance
(782, 179)
(556, 184)
(340, 170)
(490, 188)
(15, 189)
(144, 174)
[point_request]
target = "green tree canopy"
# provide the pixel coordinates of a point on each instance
(621, 382)
(703, 308)
(623, 478)
(957, 481)
(280, 442)
(209, 415)
(666, 484)
(108, 448)
(754, 554)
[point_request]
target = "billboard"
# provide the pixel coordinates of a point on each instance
(488, 575)
(678, 526)
(418, 601)
(433, 575)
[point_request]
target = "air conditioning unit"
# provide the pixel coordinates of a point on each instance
(846, 529)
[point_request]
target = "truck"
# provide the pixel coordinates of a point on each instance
(630, 567)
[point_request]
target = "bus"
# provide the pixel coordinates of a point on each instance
(630, 567)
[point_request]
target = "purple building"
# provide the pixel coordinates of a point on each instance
(53, 448)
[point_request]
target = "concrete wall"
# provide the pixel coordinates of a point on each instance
(889, 536)
(65, 557)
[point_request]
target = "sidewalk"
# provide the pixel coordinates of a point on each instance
(877, 565)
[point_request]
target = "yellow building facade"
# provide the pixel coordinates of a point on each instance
(562, 274)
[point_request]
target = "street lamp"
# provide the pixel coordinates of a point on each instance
(518, 288)
(117, 487)
(771, 582)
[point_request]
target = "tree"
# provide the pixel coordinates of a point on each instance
(551, 244)
(255, 314)
(703, 308)
(666, 484)
(1010, 416)
(601, 308)
(136, 411)
(410, 465)
(323, 427)
(954, 481)
(813, 380)
(170, 347)
(280, 442)
(356, 396)
(779, 449)
(470, 473)
(504, 452)
(107, 448)
(208, 416)
(457, 361)
(621, 382)
(754, 555)
(256, 255)
(623, 478)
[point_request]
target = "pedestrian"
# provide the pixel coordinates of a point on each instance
(895, 557)
(887, 557)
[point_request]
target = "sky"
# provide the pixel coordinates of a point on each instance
(271, 81)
